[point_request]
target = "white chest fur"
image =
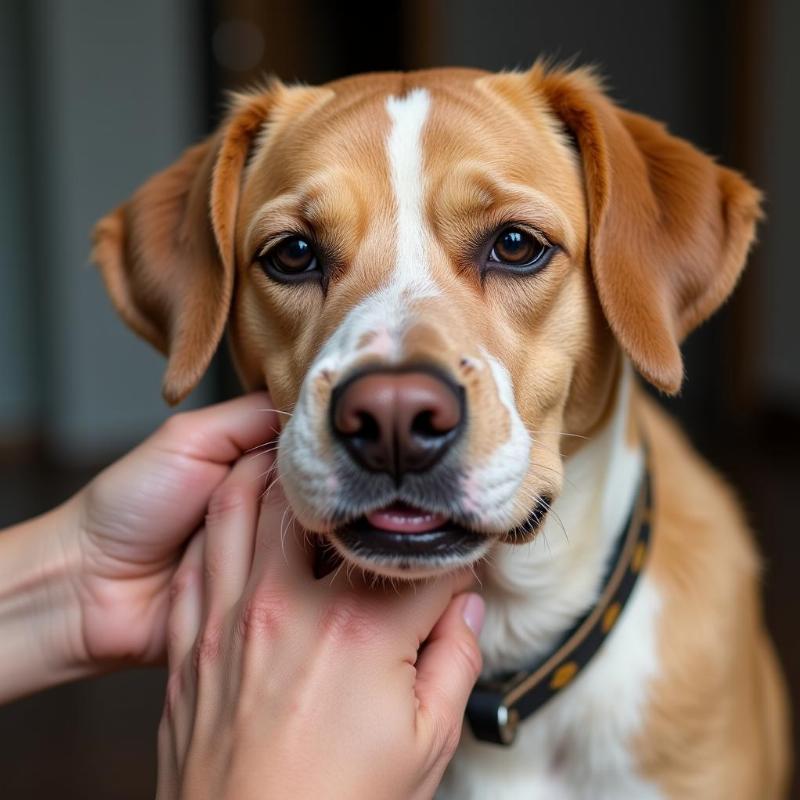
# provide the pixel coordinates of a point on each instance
(579, 744)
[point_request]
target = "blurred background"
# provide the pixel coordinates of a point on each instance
(98, 94)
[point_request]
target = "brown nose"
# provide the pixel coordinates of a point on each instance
(397, 422)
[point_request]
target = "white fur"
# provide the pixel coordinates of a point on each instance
(408, 115)
(490, 489)
(578, 745)
(536, 590)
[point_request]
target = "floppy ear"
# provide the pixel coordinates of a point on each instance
(167, 255)
(669, 229)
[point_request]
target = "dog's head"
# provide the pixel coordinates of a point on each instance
(435, 273)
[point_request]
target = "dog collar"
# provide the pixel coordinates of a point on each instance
(497, 705)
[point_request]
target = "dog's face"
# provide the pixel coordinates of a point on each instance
(434, 274)
(397, 266)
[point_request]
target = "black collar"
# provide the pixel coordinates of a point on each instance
(497, 706)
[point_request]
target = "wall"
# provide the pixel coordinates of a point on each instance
(114, 93)
(18, 396)
(778, 114)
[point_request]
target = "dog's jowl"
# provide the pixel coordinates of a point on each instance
(456, 282)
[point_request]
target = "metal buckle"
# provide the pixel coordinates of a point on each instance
(507, 723)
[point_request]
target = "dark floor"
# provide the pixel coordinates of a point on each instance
(97, 739)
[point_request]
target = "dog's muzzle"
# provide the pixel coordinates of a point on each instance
(400, 425)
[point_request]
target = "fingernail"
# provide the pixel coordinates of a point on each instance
(474, 612)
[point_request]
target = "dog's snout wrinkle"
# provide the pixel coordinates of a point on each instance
(397, 422)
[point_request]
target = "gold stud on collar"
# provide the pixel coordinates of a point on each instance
(610, 616)
(563, 675)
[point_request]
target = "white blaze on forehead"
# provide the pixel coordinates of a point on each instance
(404, 147)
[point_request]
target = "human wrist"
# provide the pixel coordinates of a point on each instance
(40, 617)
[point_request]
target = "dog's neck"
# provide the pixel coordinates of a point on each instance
(535, 592)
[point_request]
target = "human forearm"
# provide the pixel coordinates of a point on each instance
(40, 619)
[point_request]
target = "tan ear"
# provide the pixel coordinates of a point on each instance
(167, 255)
(669, 228)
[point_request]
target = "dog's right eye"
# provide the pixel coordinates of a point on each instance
(291, 259)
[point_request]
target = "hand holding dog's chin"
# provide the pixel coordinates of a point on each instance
(281, 685)
(84, 588)
(357, 723)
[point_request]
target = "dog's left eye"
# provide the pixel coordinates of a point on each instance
(515, 247)
(290, 259)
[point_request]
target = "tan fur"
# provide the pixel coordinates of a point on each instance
(717, 723)
(653, 235)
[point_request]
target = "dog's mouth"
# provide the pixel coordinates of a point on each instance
(407, 541)
(403, 540)
(404, 536)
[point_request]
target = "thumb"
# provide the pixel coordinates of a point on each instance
(450, 664)
(157, 494)
(221, 433)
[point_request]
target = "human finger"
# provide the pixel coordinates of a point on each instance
(186, 603)
(283, 550)
(231, 523)
(448, 667)
(409, 609)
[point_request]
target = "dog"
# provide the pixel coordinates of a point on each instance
(449, 280)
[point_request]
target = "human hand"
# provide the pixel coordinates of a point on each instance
(84, 587)
(135, 517)
(130, 524)
(285, 686)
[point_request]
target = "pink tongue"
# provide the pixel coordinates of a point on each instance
(401, 518)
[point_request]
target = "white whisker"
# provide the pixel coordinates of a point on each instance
(260, 447)
(282, 534)
(277, 411)
(475, 573)
(338, 569)
(539, 431)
